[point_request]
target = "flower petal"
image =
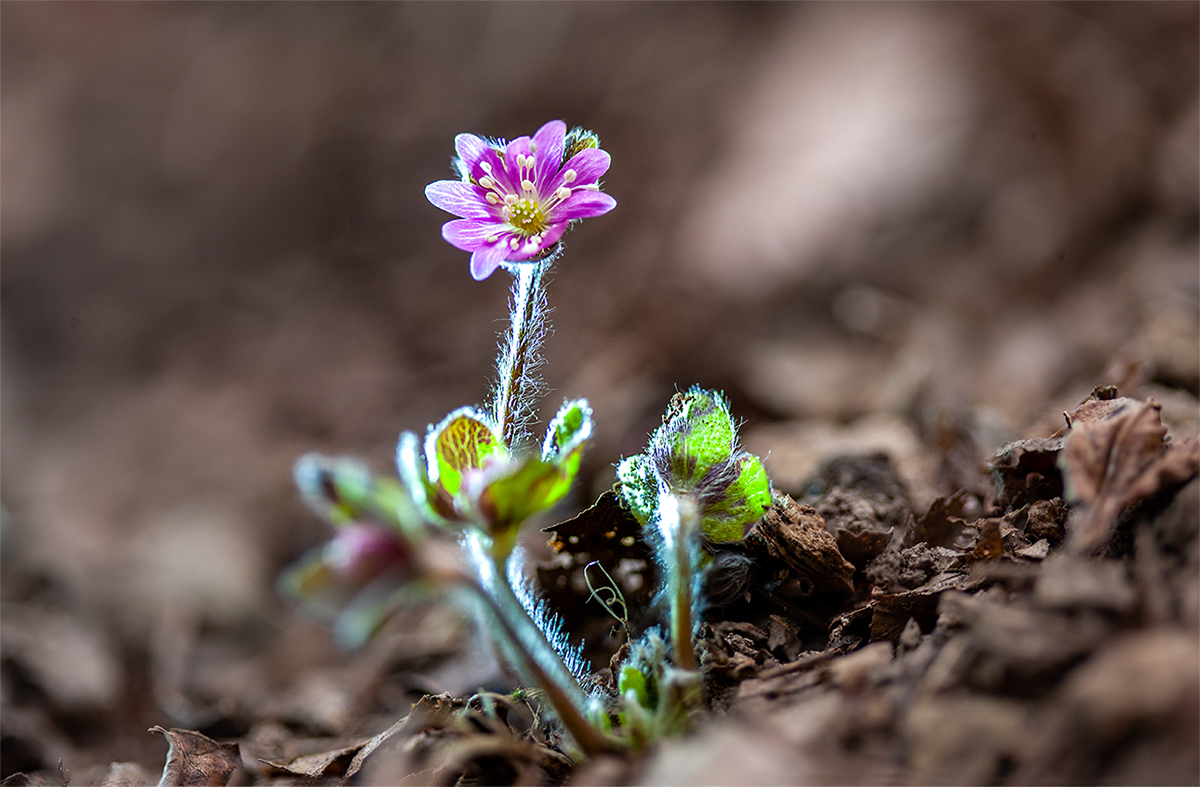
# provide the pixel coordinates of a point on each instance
(485, 261)
(583, 205)
(549, 237)
(549, 140)
(470, 149)
(470, 234)
(519, 146)
(461, 199)
(588, 165)
(499, 172)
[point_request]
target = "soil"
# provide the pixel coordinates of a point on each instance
(942, 259)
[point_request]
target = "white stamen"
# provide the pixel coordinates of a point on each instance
(514, 244)
(569, 176)
(563, 193)
(486, 167)
(510, 199)
(527, 185)
(532, 147)
(590, 187)
(492, 198)
(486, 182)
(492, 238)
(522, 160)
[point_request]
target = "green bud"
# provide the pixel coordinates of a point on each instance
(578, 139)
(694, 454)
(632, 679)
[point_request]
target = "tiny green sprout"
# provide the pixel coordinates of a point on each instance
(692, 482)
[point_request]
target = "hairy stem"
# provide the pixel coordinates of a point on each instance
(541, 664)
(518, 384)
(678, 521)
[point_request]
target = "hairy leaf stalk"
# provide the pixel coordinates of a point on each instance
(518, 384)
(679, 522)
(541, 664)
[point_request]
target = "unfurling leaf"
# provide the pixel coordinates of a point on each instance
(568, 433)
(462, 442)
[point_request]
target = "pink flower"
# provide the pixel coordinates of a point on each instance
(515, 200)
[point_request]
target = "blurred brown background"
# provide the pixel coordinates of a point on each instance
(872, 225)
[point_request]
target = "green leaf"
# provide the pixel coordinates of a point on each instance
(431, 501)
(313, 584)
(463, 441)
(337, 489)
(728, 518)
(569, 431)
(344, 491)
(698, 432)
(533, 486)
(638, 487)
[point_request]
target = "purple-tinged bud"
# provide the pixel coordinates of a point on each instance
(360, 552)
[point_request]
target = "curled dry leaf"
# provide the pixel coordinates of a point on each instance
(796, 535)
(195, 760)
(1117, 459)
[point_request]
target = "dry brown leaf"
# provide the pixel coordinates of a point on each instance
(429, 711)
(195, 760)
(941, 523)
(796, 536)
(1114, 461)
(1026, 471)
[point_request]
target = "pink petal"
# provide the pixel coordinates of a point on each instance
(549, 238)
(470, 234)
(485, 261)
(519, 146)
(588, 164)
(499, 171)
(470, 149)
(461, 199)
(583, 205)
(549, 140)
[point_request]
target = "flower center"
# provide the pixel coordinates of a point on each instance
(526, 216)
